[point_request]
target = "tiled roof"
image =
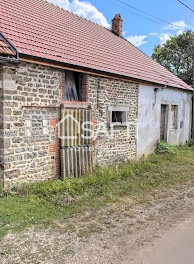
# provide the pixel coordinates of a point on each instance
(38, 28)
(5, 49)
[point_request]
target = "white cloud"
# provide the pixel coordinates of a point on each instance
(164, 37)
(179, 32)
(83, 9)
(137, 40)
(153, 34)
(178, 25)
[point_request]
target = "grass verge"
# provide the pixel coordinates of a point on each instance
(45, 202)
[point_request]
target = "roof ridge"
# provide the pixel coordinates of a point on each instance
(66, 10)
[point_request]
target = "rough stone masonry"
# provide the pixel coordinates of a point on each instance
(31, 96)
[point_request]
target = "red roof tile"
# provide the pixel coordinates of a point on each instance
(38, 28)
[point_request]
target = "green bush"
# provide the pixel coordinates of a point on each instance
(190, 143)
(164, 148)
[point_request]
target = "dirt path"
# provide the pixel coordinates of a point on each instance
(175, 247)
(119, 233)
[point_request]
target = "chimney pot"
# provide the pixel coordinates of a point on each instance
(117, 25)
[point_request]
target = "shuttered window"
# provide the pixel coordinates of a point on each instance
(75, 88)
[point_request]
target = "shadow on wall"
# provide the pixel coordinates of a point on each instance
(1, 179)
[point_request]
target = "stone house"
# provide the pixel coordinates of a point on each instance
(53, 62)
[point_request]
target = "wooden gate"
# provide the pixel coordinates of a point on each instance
(76, 142)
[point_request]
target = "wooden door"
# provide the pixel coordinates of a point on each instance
(76, 150)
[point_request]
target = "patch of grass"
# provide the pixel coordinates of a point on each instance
(46, 202)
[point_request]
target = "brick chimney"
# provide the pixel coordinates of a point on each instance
(117, 25)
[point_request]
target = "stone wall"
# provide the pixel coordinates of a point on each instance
(32, 95)
(1, 129)
(31, 99)
(104, 92)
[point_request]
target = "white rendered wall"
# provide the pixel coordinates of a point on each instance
(149, 114)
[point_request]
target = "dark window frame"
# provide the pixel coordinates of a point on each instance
(118, 115)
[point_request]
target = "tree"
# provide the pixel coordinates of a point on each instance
(176, 55)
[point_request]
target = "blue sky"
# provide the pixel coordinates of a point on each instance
(141, 32)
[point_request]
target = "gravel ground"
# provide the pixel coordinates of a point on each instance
(115, 234)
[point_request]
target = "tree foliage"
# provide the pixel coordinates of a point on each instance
(176, 55)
